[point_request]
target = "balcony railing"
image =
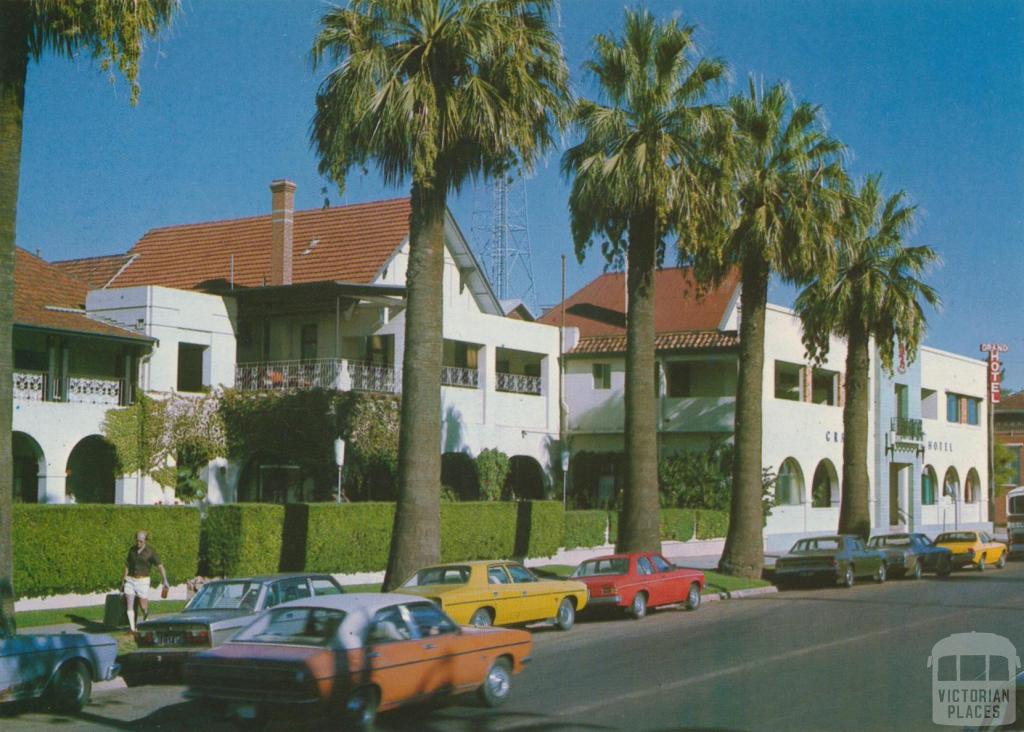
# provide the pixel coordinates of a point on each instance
(324, 373)
(458, 376)
(36, 386)
(365, 376)
(906, 428)
(518, 383)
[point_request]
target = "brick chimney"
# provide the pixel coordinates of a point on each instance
(283, 210)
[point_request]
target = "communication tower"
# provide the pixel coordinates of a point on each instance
(501, 237)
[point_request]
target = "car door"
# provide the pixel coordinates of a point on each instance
(532, 602)
(504, 596)
(396, 660)
(990, 549)
(671, 586)
(649, 580)
(438, 648)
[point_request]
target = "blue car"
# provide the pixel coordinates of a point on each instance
(910, 555)
(59, 668)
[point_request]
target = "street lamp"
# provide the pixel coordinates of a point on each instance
(565, 474)
(339, 460)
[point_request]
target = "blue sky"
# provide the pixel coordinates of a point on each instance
(930, 94)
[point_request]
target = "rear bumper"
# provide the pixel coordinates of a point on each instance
(958, 561)
(156, 666)
(604, 601)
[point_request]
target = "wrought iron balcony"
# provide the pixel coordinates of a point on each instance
(518, 383)
(909, 429)
(459, 376)
(323, 373)
(38, 386)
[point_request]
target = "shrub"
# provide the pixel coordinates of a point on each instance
(701, 479)
(243, 539)
(712, 524)
(492, 467)
(477, 531)
(347, 537)
(677, 524)
(539, 528)
(68, 548)
(584, 528)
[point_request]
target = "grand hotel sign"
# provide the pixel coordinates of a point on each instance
(994, 368)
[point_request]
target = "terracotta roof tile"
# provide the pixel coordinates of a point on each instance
(352, 244)
(39, 287)
(95, 272)
(693, 339)
(599, 308)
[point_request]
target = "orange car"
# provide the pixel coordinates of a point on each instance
(349, 656)
(975, 548)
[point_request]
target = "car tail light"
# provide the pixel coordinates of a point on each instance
(607, 589)
(145, 638)
(197, 637)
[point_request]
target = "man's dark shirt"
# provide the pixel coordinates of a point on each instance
(139, 562)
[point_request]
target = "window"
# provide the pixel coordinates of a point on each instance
(788, 381)
(902, 401)
(928, 484)
(825, 487)
(643, 566)
(951, 484)
(308, 349)
(952, 408)
(429, 620)
(305, 626)
(679, 379)
(962, 409)
(323, 587)
(388, 627)
(971, 492)
(377, 349)
(929, 404)
(660, 564)
(602, 373)
(823, 387)
(972, 411)
(288, 590)
(789, 486)
(497, 576)
(520, 574)
(191, 367)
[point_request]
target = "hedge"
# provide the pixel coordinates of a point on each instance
(348, 537)
(584, 528)
(82, 548)
(677, 524)
(712, 524)
(243, 539)
(539, 528)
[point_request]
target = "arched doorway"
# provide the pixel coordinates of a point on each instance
(789, 486)
(458, 472)
(91, 471)
(825, 488)
(929, 482)
(525, 479)
(262, 482)
(972, 486)
(29, 464)
(951, 485)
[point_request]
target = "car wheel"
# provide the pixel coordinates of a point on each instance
(566, 617)
(70, 688)
(917, 571)
(693, 597)
(361, 709)
(482, 618)
(1002, 561)
(881, 574)
(497, 684)
(639, 607)
(981, 563)
(848, 577)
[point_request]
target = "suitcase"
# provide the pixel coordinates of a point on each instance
(115, 611)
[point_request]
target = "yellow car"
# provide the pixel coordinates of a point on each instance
(498, 593)
(975, 548)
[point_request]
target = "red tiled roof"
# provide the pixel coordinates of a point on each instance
(95, 272)
(693, 339)
(599, 308)
(352, 244)
(1012, 403)
(39, 287)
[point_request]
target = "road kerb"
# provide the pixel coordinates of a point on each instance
(739, 594)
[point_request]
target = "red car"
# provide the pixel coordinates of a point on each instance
(639, 581)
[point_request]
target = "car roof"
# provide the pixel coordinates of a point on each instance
(367, 602)
(273, 577)
(627, 555)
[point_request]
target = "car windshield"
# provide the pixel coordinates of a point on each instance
(304, 626)
(884, 541)
(239, 595)
(815, 545)
(956, 536)
(458, 575)
(598, 567)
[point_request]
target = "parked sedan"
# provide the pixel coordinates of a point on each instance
(973, 548)
(840, 559)
(639, 581)
(351, 655)
(910, 555)
(498, 593)
(58, 668)
(215, 614)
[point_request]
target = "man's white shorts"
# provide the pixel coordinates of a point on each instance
(137, 586)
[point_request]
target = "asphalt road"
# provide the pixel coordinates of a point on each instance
(808, 659)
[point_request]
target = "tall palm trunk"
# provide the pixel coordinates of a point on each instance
(744, 548)
(854, 512)
(14, 33)
(639, 529)
(416, 535)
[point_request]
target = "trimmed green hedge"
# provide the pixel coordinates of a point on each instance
(712, 524)
(677, 524)
(539, 526)
(82, 548)
(477, 530)
(347, 537)
(584, 528)
(243, 539)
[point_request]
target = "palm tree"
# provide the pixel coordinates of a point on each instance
(786, 183)
(876, 292)
(435, 91)
(631, 173)
(113, 31)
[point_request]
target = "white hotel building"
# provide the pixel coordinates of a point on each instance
(302, 299)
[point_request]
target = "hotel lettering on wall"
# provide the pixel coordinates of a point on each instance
(994, 367)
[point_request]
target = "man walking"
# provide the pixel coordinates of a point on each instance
(135, 584)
